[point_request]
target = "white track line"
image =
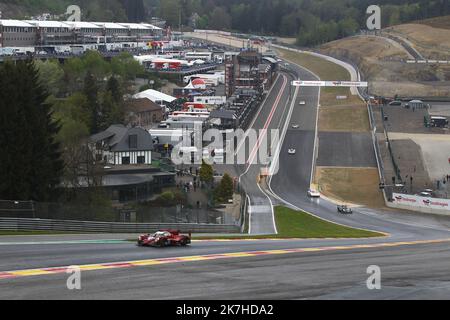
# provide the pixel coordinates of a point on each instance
(256, 116)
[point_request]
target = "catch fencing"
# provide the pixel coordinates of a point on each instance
(14, 224)
(134, 214)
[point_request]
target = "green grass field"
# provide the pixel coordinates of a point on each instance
(327, 71)
(298, 224)
(301, 225)
(324, 69)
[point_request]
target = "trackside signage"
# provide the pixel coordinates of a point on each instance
(213, 100)
(300, 83)
(421, 202)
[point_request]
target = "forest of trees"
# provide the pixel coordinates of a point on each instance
(311, 21)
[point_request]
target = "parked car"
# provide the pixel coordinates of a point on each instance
(164, 238)
(395, 103)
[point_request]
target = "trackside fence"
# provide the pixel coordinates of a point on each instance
(14, 224)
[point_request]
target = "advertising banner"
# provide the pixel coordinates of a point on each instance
(300, 83)
(421, 202)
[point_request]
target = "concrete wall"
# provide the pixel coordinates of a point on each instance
(417, 209)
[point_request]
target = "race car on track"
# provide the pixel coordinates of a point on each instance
(292, 151)
(312, 193)
(344, 209)
(164, 238)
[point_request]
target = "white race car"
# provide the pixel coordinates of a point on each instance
(302, 103)
(295, 126)
(313, 193)
(292, 151)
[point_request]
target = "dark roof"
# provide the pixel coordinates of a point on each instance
(116, 138)
(223, 114)
(142, 105)
(101, 136)
(115, 133)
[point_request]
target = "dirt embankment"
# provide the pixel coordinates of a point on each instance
(383, 63)
(432, 42)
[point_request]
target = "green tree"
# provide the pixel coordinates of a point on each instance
(203, 22)
(73, 137)
(206, 173)
(126, 66)
(95, 64)
(111, 112)
(74, 108)
(51, 75)
(170, 10)
(92, 104)
(74, 72)
(220, 19)
(30, 161)
(113, 86)
(224, 190)
(347, 27)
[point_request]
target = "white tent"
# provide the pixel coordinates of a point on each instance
(82, 25)
(155, 96)
(198, 61)
(48, 24)
(15, 23)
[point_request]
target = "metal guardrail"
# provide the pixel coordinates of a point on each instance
(15, 224)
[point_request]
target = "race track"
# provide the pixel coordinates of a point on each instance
(413, 258)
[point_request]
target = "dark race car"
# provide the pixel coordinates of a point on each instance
(344, 210)
(164, 238)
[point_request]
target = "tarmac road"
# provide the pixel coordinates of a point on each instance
(406, 273)
(272, 115)
(291, 183)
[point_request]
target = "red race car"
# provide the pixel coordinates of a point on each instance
(164, 238)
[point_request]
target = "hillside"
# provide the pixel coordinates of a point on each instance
(431, 37)
(438, 22)
(383, 61)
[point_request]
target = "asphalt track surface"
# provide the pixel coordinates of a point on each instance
(272, 115)
(346, 149)
(411, 266)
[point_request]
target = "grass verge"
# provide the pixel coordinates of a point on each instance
(301, 225)
(344, 119)
(326, 71)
